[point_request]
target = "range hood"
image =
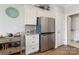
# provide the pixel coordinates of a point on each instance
(43, 6)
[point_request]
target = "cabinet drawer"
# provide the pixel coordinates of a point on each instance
(32, 42)
(32, 49)
(32, 37)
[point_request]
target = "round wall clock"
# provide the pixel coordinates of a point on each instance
(12, 12)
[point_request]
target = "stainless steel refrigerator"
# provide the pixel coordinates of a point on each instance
(46, 28)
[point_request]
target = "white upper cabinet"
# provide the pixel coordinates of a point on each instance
(30, 15)
(32, 12)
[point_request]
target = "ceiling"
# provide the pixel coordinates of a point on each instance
(61, 5)
(64, 5)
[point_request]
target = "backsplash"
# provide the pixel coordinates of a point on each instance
(30, 29)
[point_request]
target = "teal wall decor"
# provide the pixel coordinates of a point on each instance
(12, 12)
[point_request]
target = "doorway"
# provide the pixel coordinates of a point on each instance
(73, 30)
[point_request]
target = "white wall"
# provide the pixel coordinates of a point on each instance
(11, 25)
(59, 16)
(70, 10)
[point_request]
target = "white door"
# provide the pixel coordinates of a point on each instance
(68, 29)
(75, 27)
(77, 30)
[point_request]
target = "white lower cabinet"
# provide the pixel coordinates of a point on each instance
(32, 43)
(32, 49)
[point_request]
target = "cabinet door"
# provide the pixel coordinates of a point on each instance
(44, 24)
(32, 40)
(51, 25)
(30, 15)
(32, 43)
(32, 49)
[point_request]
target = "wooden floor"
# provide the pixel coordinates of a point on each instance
(62, 50)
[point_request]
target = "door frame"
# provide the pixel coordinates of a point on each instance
(68, 31)
(71, 25)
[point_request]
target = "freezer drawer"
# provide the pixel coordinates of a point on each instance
(51, 41)
(44, 42)
(47, 41)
